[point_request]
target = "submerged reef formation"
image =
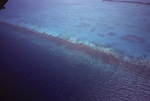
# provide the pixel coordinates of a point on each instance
(133, 39)
(140, 65)
(81, 25)
(112, 34)
(100, 35)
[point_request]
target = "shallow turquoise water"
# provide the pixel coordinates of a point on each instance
(75, 50)
(121, 26)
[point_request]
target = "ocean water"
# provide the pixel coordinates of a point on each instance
(86, 50)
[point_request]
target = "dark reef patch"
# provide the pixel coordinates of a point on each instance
(138, 65)
(112, 34)
(133, 39)
(101, 35)
(93, 29)
(81, 25)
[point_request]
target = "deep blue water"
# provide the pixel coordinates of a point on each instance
(29, 71)
(74, 51)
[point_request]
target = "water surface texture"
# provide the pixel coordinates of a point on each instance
(69, 50)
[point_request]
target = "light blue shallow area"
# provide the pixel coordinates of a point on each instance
(93, 21)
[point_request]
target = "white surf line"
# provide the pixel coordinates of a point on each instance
(106, 50)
